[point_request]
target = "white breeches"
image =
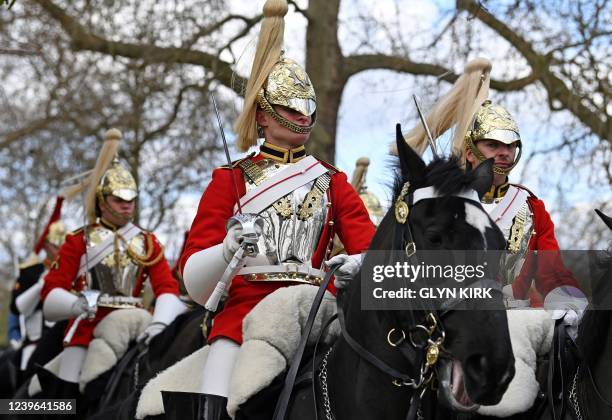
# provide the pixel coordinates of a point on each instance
(72, 359)
(219, 366)
(26, 353)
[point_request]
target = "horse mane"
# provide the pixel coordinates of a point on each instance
(445, 175)
(595, 324)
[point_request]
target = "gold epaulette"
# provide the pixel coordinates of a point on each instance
(236, 162)
(525, 188)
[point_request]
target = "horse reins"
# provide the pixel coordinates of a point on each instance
(435, 335)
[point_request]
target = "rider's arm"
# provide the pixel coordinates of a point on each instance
(202, 262)
(352, 221)
(58, 302)
(550, 272)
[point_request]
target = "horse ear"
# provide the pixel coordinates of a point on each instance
(607, 219)
(411, 164)
(483, 177)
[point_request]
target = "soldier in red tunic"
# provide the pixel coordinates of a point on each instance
(483, 131)
(26, 293)
(302, 202)
(110, 256)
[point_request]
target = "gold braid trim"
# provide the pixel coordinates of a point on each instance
(143, 260)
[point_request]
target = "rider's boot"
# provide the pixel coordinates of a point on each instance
(192, 405)
(56, 388)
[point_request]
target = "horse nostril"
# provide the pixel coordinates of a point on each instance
(476, 367)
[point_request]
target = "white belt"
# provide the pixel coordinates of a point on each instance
(119, 301)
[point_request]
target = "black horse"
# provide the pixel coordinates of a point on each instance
(589, 393)
(586, 368)
(115, 393)
(366, 374)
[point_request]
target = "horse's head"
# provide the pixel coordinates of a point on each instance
(446, 214)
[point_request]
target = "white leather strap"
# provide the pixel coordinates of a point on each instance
(97, 253)
(504, 212)
(281, 184)
(430, 192)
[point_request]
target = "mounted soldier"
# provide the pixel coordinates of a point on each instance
(102, 267)
(25, 300)
(532, 269)
(302, 203)
(483, 130)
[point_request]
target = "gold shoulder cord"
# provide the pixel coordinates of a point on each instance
(143, 260)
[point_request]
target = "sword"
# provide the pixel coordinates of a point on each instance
(430, 139)
(252, 226)
(227, 154)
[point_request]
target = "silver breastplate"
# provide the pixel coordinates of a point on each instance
(292, 225)
(117, 273)
(517, 231)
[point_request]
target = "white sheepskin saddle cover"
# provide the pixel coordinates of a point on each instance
(112, 337)
(271, 334)
(531, 334)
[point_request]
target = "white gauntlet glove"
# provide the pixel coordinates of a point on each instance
(350, 265)
(80, 306)
(510, 301)
(232, 242)
(151, 331)
(567, 303)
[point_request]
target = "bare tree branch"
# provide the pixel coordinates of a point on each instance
(83, 40)
(358, 63)
(541, 66)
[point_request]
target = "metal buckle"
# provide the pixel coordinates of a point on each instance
(399, 341)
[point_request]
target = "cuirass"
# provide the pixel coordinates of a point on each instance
(117, 273)
(517, 232)
(291, 234)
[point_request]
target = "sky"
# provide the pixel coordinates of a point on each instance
(368, 130)
(374, 101)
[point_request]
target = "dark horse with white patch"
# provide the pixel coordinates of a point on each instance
(586, 368)
(373, 371)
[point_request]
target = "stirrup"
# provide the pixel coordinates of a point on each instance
(192, 405)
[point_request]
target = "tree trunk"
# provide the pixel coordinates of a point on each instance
(324, 64)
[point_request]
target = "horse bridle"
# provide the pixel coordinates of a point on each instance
(434, 335)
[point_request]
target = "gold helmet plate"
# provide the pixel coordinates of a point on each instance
(493, 122)
(118, 181)
(288, 85)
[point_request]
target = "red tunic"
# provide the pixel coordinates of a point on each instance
(347, 212)
(64, 275)
(547, 269)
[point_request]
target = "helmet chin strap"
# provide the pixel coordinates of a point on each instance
(268, 109)
(119, 216)
(496, 169)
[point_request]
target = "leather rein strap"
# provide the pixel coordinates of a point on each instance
(283, 400)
